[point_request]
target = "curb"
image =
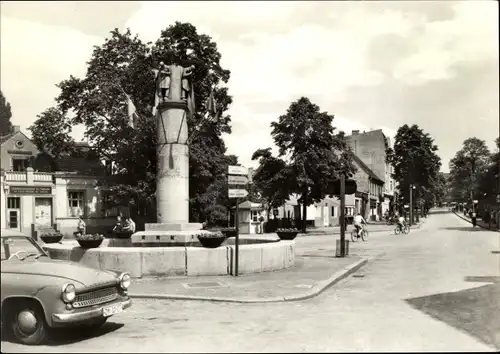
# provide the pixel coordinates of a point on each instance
(316, 290)
(477, 224)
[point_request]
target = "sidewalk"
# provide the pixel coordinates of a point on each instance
(308, 278)
(479, 222)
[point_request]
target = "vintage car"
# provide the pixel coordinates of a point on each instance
(40, 295)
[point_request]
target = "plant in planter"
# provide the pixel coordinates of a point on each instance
(287, 234)
(229, 231)
(211, 240)
(89, 240)
(51, 237)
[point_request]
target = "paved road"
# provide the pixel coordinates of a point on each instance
(436, 289)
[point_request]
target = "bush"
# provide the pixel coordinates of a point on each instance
(51, 234)
(89, 237)
(213, 234)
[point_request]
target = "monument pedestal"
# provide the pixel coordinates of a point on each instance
(168, 235)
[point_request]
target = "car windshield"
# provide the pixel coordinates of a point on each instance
(18, 247)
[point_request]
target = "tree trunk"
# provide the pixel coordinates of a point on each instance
(304, 211)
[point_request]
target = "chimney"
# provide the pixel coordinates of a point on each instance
(355, 132)
(16, 128)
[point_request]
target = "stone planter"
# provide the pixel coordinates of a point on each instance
(121, 234)
(52, 238)
(86, 244)
(287, 235)
(229, 233)
(211, 242)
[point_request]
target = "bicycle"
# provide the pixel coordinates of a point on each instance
(355, 235)
(405, 229)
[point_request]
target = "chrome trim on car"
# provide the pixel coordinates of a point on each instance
(95, 297)
(84, 315)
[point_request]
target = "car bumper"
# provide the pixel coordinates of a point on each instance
(82, 316)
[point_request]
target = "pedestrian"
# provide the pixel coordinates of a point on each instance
(118, 225)
(81, 227)
(129, 226)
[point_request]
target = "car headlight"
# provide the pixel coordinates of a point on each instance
(124, 281)
(68, 292)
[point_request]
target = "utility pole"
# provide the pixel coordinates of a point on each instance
(342, 215)
(237, 238)
(411, 204)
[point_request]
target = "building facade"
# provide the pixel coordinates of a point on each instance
(370, 147)
(39, 192)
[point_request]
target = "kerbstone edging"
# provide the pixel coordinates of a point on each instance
(316, 290)
(470, 222)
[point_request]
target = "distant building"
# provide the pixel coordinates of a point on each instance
(370, 148)
(39, 191)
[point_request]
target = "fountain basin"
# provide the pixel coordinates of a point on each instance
(256, 255)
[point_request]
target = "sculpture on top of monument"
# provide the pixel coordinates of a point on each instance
(163, 81)
(173, 83)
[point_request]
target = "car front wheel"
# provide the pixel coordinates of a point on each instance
(27, 323)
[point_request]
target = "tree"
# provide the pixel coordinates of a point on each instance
(5, 115)
(271, 179)
(51, 133)
(125, 64)
(469, 163)
(415, 162)
(305, 137)
(488, 184)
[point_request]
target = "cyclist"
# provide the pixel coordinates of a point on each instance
(401, 222)
(358, 223)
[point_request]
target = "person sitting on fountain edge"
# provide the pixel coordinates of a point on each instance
(129, 225)
(118, 226)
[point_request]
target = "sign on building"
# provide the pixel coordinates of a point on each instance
(27, 190)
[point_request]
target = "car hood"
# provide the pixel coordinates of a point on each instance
(71, 271)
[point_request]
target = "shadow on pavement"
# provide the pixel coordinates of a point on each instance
(462, 228)
(474, 311)
(70, 336)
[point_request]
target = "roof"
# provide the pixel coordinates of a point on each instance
(365, 168)
(249, 205)
(81, 165)
(5, 138)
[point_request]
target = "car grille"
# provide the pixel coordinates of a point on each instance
(95, 297)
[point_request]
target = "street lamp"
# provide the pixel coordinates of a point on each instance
(412, 187)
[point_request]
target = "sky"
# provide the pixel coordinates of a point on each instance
(372, 64)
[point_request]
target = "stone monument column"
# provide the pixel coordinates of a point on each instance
(172, 176)
(174, 103)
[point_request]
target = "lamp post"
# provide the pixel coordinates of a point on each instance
(412, 187)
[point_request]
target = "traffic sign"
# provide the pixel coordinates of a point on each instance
(237, 179)
(238, 193)
(237, 170)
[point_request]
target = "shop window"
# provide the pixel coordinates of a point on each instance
(13, 203)
(20, 165)
(333, 211)
(255, 215)
(76, 203)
